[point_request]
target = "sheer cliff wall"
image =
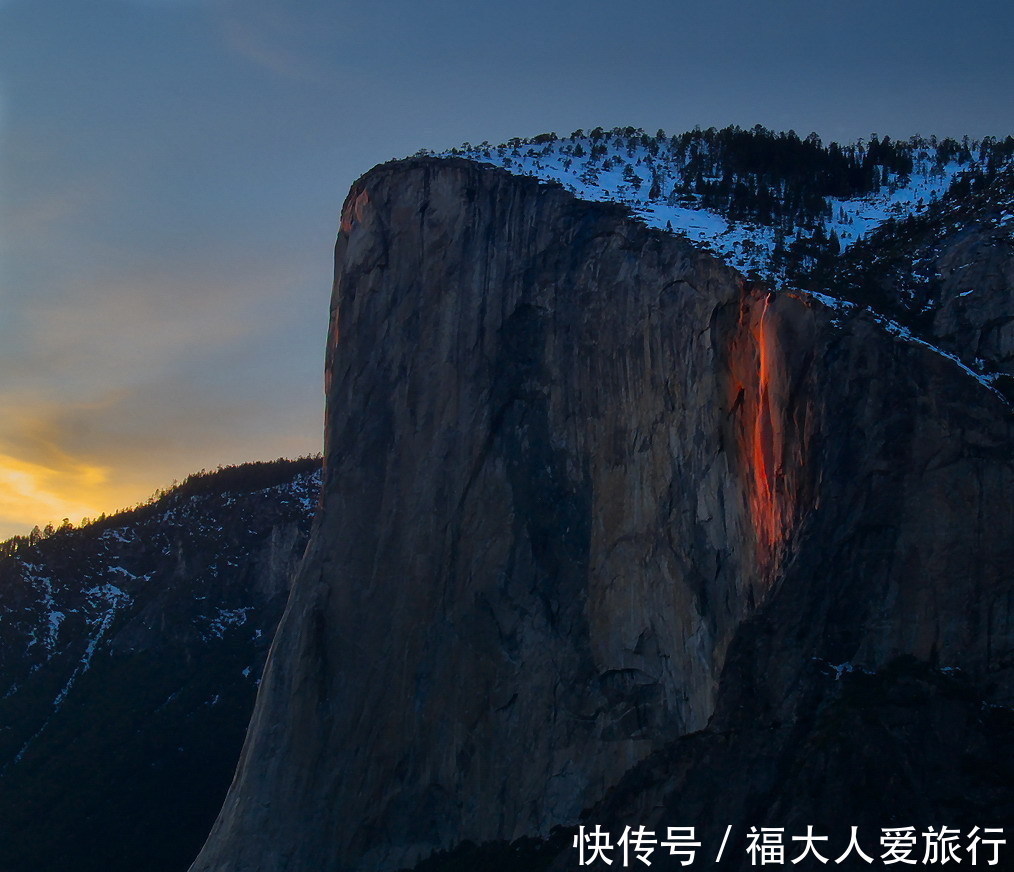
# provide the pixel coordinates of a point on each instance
(566, 458)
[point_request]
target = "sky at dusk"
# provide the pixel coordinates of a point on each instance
(171, 173)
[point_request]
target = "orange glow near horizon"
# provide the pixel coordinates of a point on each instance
(73, 463)
(47, 495)
(45, 491)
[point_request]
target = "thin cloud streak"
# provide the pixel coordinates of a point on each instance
(274, 38)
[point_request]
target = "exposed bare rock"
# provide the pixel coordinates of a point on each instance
(575, 472)
(975, 315)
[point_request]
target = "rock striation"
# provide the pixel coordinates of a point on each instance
(585, 491)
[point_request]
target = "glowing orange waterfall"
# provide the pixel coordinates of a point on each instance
(758, 397)
(766, 505)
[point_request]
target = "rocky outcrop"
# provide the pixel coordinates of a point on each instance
(582, 485)
(975, 310)
(948, 274)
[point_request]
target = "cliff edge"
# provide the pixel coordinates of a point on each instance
(577, 471)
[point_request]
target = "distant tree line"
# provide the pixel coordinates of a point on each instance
(755, 174)
(241, 478)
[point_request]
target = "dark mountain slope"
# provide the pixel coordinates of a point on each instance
(131, 653)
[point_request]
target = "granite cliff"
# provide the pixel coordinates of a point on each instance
(601, 523)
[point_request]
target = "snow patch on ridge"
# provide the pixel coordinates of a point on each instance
(903, 333)
(627, 171)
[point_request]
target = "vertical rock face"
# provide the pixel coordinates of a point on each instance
(874, 685)
(569, 462)
(975, 315)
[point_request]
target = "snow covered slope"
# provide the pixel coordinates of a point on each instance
(759, 200)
